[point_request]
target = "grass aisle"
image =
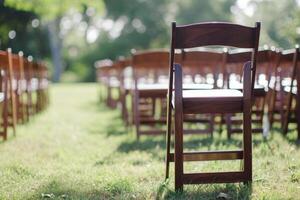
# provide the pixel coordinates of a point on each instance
(78, 149)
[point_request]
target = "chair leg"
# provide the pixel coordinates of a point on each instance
(168, 143)
(5, 119)
(178, 149)
(286, 122)
(178, 154)
(287, 115)
(247, 137)
(228, 125)
(14, 113)
(282, 113)
(247, 130)
(211, 125)
(136, 114)
(271, 107)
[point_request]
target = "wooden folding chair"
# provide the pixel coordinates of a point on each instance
(126, 85)
(281, 81)
(210, 101)
(104, 77)
(30, 86)
(288, 65)
(235, 61)
(9, 104)
(41, 73)
(4, 93)
(19, 86)
(150, 70)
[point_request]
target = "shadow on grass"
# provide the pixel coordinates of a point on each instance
(144, 145)
(113, 125)
(56, 189)
(291, 137)
(215, 191)
(149, 143)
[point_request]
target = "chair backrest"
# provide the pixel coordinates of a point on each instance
(125, 72)
(264, 64)
(286, 70)
(218, 34)
(103, 69)
(150, 66)
(3, 69)
(203, 66)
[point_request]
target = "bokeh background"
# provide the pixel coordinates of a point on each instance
(72, 34)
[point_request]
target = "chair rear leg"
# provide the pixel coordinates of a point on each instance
(228, 124)
(136, 114)
(168, 143)
(211, 125)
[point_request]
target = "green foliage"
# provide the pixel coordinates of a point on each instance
(279, 21)
(51, 9)
(28, 39)
(137, 24)
(192, 11)
(146, 24)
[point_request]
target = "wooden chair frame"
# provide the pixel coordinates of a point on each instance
(292, 94)
(264, 62)
(144, 96)
(207, 34)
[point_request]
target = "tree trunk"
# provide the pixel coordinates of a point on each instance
(55, 47)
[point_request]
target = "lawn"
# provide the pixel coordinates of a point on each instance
(79, 149)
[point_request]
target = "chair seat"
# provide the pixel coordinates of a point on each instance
(34, 85)
(1, 96)
(160, 89)
(259, 90)
(212, 101)
(44, 84)
(288, 89)
(197, 86)
(114, 83)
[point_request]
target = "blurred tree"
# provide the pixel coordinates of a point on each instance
(140, 24)
(278, 18)
(192, 11)
(20, 30)
(51, 12)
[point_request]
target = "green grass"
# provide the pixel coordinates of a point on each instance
(79, 149)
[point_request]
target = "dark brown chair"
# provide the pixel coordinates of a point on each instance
(278, 87)
(288, 88)
(150, 71)
(210, 101)
(42, 93)
(105, 76)
(31, 86)
(126, 85)
(235, 61)
(9, 109)
(19, 86)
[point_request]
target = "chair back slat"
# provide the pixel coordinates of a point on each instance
(214, 34)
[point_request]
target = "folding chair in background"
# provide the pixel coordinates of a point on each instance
(235, 61)
(150, 71)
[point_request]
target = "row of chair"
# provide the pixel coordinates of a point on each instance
(213, 75)
(24, 89)
(145, 78)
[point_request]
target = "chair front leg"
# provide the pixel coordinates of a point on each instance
(247, 130)
(178, 155)
(136, 112)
